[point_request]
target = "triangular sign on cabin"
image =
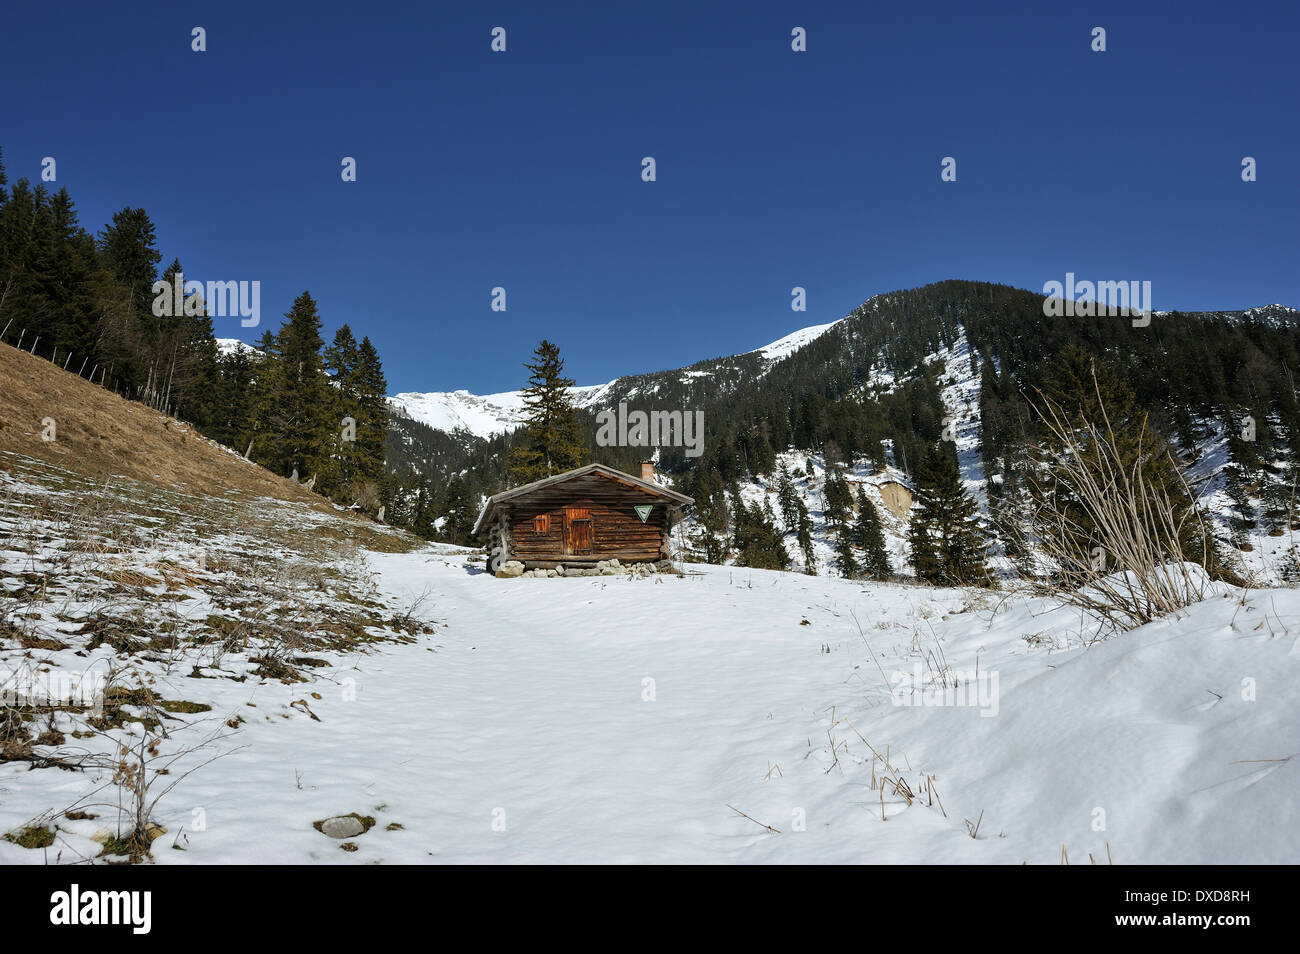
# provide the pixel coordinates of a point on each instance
(643, 511)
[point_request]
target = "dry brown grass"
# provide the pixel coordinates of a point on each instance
(103, 435)
(1125, 560)
(107, 438)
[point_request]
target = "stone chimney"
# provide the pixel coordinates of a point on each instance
(648, 471)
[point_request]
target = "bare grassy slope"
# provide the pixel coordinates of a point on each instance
(100, 434)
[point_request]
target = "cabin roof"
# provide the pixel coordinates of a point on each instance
(633, 483)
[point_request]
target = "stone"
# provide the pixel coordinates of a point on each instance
(342, 826)
(512, 569)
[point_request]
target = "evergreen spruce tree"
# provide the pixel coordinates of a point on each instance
(1242, 524)
(947, 545)
(372, 430)
(232, 417)
(845, 560)
(757, 542)
(712, 514)
(838, 498)
(24, 220)
(184, 358)
(295, 430)
(66, 272)
(869, 536)
(806, 541)
(129, 250)
(550, 442)
(787, 500)
(128, 329)
(459, 509)
(340, 360)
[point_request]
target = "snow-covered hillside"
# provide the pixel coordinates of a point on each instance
(1268, 560)
(808, 472)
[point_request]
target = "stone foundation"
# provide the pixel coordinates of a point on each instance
(513, 569)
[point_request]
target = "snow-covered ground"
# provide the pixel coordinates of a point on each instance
(619, 720)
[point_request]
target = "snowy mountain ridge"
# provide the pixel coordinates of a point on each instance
(486, 414)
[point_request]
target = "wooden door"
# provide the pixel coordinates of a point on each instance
(577, 530)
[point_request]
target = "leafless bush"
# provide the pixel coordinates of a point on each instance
(143, 777)
(1119, 548)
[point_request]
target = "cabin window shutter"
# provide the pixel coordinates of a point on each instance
(542, 523)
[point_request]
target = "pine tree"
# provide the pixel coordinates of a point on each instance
(340, 360)
(66, 272)
(838, 498)
(459, 510)
(550, 442)
(294, 397)
(806, 541)
(757, 542)
(712, 514)
(129, 250)
(845, 561)
(232, 418)
(20, 226)
(947, 545)
(184, 372)
(372, 430)
(869, 536)
(787, 499)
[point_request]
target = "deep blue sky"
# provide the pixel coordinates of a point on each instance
(775, 168)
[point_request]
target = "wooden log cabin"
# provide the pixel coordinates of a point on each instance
(583, 516)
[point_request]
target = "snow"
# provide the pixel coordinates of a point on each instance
(794, 341)
(617, 720)
(231, 345)
(961, 399)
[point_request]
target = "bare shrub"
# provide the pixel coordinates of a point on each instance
(1119, 541)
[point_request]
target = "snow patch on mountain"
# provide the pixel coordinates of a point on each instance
(793, 342)
(231, 345)
(481, 414)
(961, 399)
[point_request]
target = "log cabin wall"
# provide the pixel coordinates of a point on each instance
(616, 532)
